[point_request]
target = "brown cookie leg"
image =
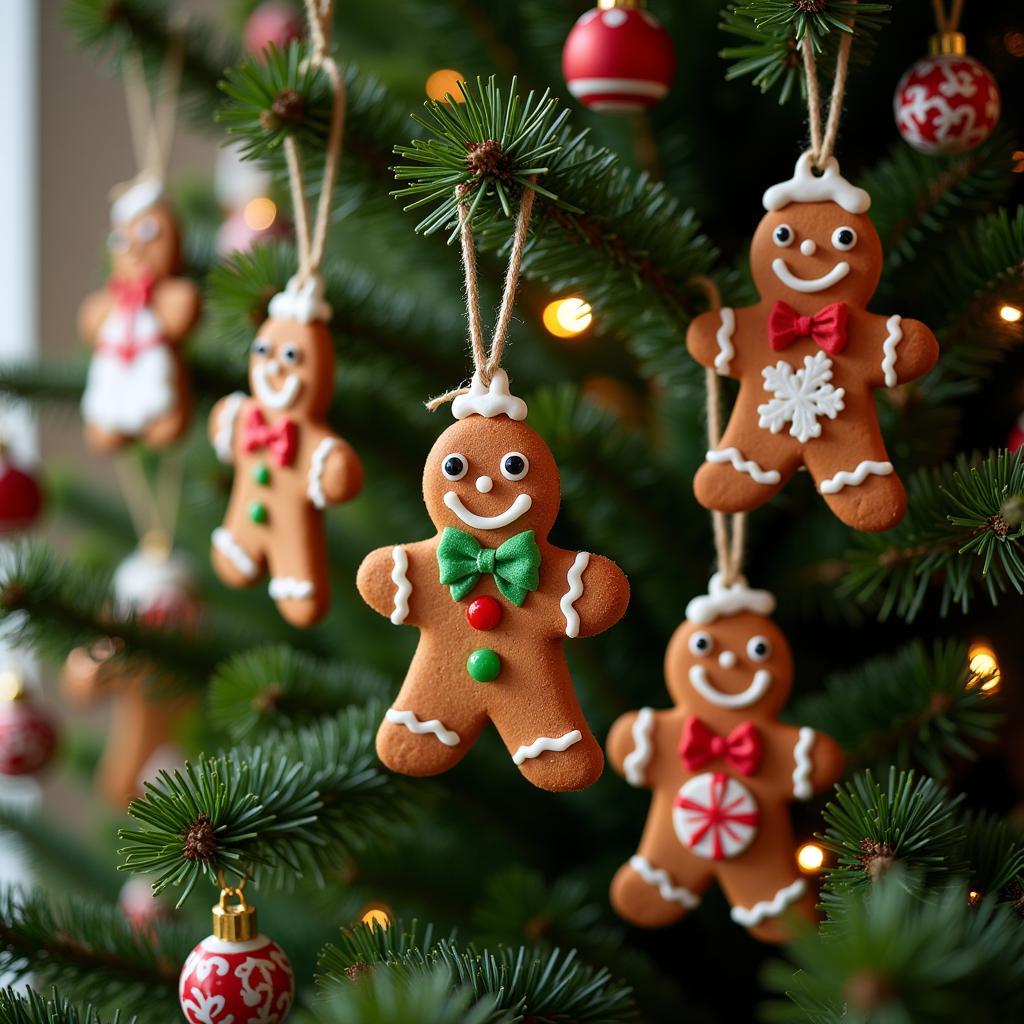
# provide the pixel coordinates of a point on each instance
(298, 579)
(858, 483)
(166, 429)
(746, 469)
(233, 561)
(103, 441)
(769, 900)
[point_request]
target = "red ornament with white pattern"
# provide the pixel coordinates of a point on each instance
(21, 498)
(947, 103)
(236, 975)
(28, 738)
(618, 58)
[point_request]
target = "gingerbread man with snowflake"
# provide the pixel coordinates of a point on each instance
(808, 357)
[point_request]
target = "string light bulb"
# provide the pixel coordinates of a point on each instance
(259, 213)
(1011, 314)
(810, 858)
(376, 915)
(983, 665)
(973, 898)
(568, 317)
(443, 83)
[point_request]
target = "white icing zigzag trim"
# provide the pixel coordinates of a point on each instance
(802, 764)
(807, 187)
(315, 488)
(285, 588)
(413, 724)
(226, 544)
(574, 579)
(403, 588)
(728, 600)
(543, 743)
(894, 337)
(302, 301)
(735, 457)
(750, 917)
(492, 401)
(724, 338)
(224, 439)
(635, 764)
(844, 478)
(663, 880)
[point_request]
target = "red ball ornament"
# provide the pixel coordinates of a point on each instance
(484, 613)
(272, 22)
(1016, 439)
(21, 499)
(27, 736)
(618, 59)
(236, 975)
(947, 102)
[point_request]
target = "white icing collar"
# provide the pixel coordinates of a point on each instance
(728, 600)
(302, 301)
(134, 199)
(492, 401)
(807, 187)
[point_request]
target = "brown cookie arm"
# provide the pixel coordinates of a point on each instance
(816, 759)
(711, 340)
(92, 312)
(827, 762)
(908, 350)
(594, 596)
(701, 337)
(335, 472)
(623, 742)
(176, 304)
(223, 425)
(391, 581)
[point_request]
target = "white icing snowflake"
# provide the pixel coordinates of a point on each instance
(800, 397)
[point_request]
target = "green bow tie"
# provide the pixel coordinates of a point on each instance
(515, 565)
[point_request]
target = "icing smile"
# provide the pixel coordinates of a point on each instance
(751, 695)
(274, 398)
(809, 284)
(518, 508)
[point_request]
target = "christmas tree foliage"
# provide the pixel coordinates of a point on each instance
(474, 897)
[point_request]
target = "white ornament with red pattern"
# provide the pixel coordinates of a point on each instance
(715, 816)
(157, 585)
(236, 975)
(947, 102)
(27, 736)
(618, 58)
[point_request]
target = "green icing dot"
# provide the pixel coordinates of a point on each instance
(258, 512)
(484, 665)
(261, 474)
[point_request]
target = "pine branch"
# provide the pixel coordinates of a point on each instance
(545, 988)
(293, 805)
(918, 707)
(995, 852)
(29, 1007)
(963, 532)
(899, 958)
(91, 952)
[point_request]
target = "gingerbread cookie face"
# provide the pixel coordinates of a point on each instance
(291, 367)
(722, 770)
(146, 245)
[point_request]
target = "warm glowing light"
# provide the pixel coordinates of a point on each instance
(810, 857)
(259, 213)
(565, 318)
(10, 686)
(445, 82)
(1011, 314)
(974, 897)
(377, 916)
(981, 660)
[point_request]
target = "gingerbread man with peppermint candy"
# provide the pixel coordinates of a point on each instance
(723, 770)
(289, 466)
(494, 601)
(808, 357)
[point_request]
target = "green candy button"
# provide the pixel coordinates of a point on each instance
(261, 475)
(258, 512)
(484, 665)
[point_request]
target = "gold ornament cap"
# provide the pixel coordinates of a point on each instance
(608, 5)
(234, 922)
(947, 43)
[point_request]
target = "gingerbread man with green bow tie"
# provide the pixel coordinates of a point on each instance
(494, 602)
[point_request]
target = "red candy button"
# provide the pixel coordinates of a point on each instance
(484, 613)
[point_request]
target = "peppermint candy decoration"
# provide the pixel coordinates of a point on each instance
(236, 983)
(946, 103)
(715, 816)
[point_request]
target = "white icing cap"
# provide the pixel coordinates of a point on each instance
(807, 187)
(135, 198)
(492, 401)
(302, 301)
(150, 578)
(728, 600)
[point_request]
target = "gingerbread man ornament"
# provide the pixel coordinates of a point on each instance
(288, 465)
(494, 602)
(808, 357)
(722, 770)
(136, 388)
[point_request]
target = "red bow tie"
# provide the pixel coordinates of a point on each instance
(132, 292)
(279, 440)
(827, 328)
(741, 748)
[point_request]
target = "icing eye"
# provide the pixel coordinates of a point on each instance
(844, 238)
(783, 236)
(701, 644)
(291, 355)
(260, 347)
(758, 648)
(454, 467)
(515, 466)
(147, 229)
(118, 241)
